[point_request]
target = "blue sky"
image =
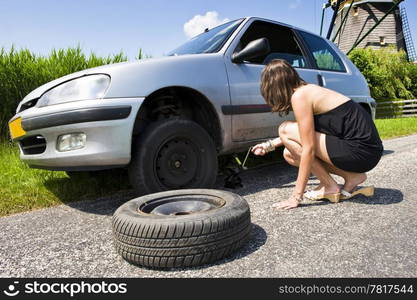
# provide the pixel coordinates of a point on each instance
(156, 26)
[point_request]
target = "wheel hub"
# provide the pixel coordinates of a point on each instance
(182, 205)
(177, 163)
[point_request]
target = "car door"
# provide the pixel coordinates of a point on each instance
(252, 118)
(334, 73)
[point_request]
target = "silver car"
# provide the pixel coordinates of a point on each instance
(168, 119)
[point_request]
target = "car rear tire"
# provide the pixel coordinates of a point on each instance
(181, 228)
(172, 154)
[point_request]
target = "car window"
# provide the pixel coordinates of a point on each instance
(208, 42)
(281, 40)
(326, 58)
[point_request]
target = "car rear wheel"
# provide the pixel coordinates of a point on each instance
(172, 154)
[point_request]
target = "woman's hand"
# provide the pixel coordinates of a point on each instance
(259, 149)
(268, 146)
(292, 202)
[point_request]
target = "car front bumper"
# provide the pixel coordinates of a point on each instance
(107, 124)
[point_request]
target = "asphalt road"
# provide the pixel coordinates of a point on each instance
(375, 237)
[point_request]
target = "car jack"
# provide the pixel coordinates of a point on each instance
(233, 180)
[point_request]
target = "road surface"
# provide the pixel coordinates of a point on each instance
(375, 237)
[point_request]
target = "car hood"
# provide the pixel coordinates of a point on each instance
(138, 78)
(105, 69)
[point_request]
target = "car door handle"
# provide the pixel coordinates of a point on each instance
(320, 80)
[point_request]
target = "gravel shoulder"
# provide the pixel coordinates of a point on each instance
(373, 237)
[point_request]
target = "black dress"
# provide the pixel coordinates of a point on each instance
(352, 140)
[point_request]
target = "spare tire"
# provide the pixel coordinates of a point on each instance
(181, 228)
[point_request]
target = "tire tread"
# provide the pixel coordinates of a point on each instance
(156, 242)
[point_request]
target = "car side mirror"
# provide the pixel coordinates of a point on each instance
(254, 49)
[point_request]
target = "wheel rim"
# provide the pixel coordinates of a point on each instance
(182, 205)
(177, 163)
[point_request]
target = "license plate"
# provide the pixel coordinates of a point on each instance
(16, 129)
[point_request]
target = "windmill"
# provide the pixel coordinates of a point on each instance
(370, 23)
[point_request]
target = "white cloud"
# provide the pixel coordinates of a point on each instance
(198, 23)
(294, 4)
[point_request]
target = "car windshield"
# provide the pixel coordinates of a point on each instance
(208, 42)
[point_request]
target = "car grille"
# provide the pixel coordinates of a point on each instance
(33, 145)
(28, 104)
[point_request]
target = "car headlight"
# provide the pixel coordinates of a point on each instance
(82, 88)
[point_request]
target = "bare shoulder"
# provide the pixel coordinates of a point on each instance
(301, 101)
(303, 93)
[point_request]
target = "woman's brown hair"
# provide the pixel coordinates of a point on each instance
(278, 81)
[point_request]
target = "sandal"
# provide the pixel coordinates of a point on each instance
(366, 191)
(314, 196)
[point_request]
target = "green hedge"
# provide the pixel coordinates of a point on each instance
(390, 76)
(21, 71)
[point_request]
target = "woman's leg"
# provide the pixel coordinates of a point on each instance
(351, 179)
(289, 134)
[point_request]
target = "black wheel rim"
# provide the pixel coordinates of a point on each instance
(177, 163)
(182, 205)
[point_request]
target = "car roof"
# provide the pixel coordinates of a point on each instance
(280, 23)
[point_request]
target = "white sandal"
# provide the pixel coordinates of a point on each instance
(366, 191)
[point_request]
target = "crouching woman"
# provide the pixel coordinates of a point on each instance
(332, 134)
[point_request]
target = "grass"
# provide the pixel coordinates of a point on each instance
(390, 128)
(23, 189)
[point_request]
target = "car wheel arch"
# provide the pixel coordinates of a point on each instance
(182, 102)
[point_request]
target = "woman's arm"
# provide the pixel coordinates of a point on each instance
(303, 111)
(277, 142)
(262, 148)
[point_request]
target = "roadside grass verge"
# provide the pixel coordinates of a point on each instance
(390, 128)
(24, 189)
